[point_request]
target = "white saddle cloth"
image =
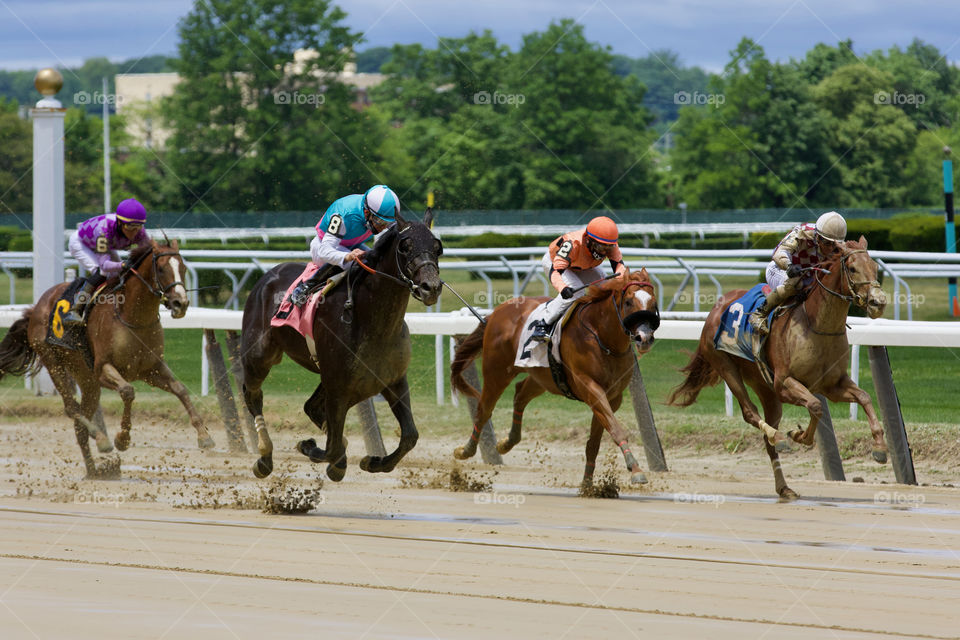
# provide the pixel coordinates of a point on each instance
(534, 354)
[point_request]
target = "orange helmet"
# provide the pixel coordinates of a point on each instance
(603, 230)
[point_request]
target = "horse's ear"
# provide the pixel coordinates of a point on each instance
(428, 218)
(402, 223)
(644, 275)
(862, 243)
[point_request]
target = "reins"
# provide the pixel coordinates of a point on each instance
(623, 324)
(854, 297)
(155, 291)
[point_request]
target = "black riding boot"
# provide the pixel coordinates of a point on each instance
(82, 298)
(541, 331)
(308, 286)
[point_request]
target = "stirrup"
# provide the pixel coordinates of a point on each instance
(541, 331)
(73, 318)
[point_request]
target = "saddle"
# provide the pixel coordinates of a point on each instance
(300, 318)
(546, 354)
(73, 338)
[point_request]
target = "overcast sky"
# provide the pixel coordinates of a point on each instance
(38, 33)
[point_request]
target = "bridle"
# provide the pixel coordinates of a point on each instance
(631, 321)
(155, 289)
(855, 297)
(410, 269)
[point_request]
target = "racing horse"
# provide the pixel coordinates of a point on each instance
(362, 343)
(596, 350)
(807, 351)
(125, 338)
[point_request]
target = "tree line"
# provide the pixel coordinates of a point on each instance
(560, 122)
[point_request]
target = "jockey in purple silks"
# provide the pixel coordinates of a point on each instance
(95, 244)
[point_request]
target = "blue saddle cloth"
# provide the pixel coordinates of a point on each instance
(735, 334)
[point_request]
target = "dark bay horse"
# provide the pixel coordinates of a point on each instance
(125, 336)
(807, 351)
(596, 349)
(360, 352)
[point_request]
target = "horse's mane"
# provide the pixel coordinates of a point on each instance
(138, 254)
(608, 288)
(382, 245)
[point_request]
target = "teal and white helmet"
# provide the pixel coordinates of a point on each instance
(382, 202)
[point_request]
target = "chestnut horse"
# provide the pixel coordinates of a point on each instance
(362, 343)
(807, 351)
(596, 350)
(125, 337)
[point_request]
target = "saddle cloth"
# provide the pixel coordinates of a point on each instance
(300, 319)
(735, 334)
(534, 354)
(71, 337)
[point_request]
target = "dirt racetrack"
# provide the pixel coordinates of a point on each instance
(180, 547)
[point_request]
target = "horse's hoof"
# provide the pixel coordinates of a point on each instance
(263, 467)
(638, 478)
(783, 446)
(205, 443)
(335, 472)
(122, 440)
(788, 495)
(367, 463)
(103, 442)
(880, 455)
(107, 468)
(460, 453)
(504, 446)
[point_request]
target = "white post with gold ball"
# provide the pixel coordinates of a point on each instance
(48, 192)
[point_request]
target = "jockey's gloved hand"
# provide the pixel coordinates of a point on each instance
(794, 271)
(567, 293)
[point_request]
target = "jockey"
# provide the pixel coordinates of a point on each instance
(805, 246)
(343, 228)
(95, 244)
(572, 261)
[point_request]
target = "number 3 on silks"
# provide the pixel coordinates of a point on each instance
(56, 325)
(336, 225)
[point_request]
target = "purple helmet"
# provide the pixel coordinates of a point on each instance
(131, 211)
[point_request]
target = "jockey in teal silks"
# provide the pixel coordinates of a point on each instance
(342, 230)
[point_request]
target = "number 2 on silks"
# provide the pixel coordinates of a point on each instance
(336, 225)
(56, 325)
(564, 251)
(736, 308)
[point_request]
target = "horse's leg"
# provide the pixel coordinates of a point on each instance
(847, 391)
(254, 373)
(773, 411)
(398, 395)
(593, 447)
(793, 392)
(314, 407)
(162, 378)
(603, 410)
(526, 390)
(81, 426)
(111, 379)
(495, 382)
(731, 375)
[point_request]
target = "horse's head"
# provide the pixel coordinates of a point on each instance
(417, 253)
(169, 272)
(859, 280)
(638, 309)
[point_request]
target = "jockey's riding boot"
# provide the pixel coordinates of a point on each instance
(80, 300)
(758, 319)
(541, 331)
(319, 277)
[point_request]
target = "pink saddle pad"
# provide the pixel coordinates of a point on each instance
(299, 318)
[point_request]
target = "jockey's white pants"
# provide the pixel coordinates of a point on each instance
(558, 306)
(83, 254)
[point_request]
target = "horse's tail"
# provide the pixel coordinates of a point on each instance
(466, 353)
(699, 375)
(16, 355)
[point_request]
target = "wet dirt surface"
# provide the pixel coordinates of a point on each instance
(188, 544)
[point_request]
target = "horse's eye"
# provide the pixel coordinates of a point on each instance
(439, 249)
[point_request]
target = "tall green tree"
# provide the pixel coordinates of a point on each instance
(16, 161)
(255, 130)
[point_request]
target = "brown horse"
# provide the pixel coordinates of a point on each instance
(807, 351)
(597, 354)
(125, 337)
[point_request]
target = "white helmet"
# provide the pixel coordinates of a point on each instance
(832, 226)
